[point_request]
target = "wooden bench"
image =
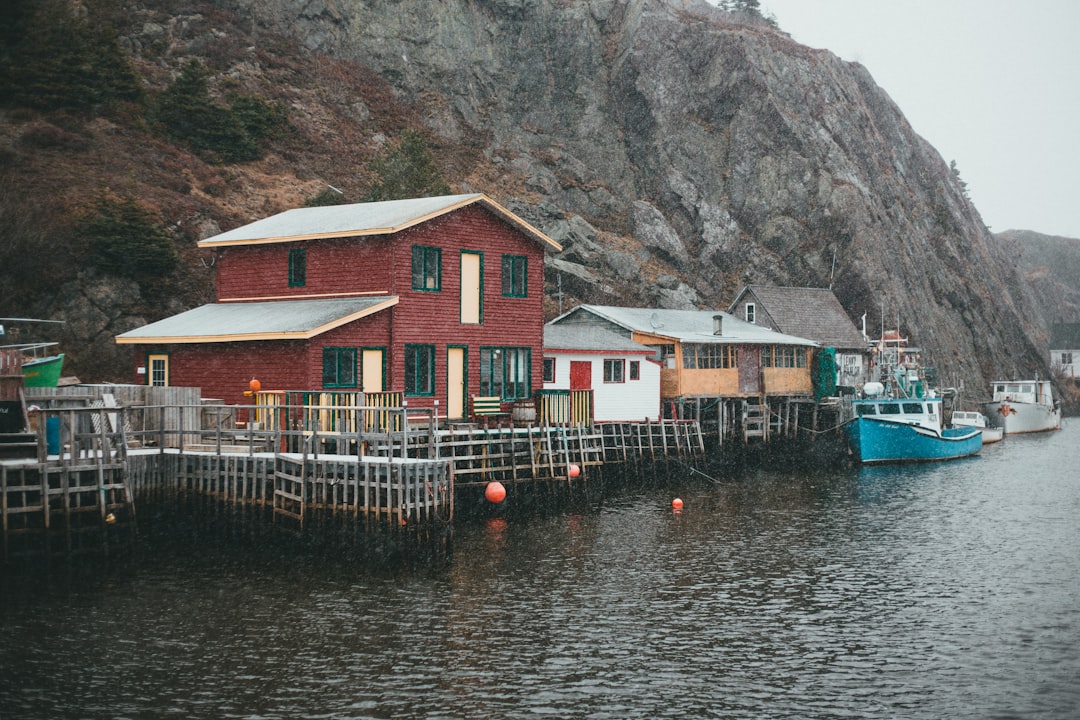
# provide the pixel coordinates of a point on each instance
(486, 408)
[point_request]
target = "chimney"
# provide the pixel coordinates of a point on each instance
(717, 324)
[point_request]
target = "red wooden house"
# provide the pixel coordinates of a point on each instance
(439, 298)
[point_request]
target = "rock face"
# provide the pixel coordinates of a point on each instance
(679, 151)
(1051, 266)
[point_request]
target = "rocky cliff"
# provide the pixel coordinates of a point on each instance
(676, 150)
(1051, 267)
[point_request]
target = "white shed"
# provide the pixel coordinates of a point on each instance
(623, 375)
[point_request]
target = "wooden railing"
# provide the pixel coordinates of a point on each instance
(565, 407)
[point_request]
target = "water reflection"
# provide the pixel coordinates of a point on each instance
(919, 592)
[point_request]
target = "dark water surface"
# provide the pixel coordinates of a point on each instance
(943, 591)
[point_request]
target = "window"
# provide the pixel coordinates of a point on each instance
(613, 371)
(426, 268)
(890, 409)
(635, 369)
(419, 370)
(339, 367)
(1066, 358)
(549, 370)
(665, 355)
(783, 356)
(297, 267)
(751, 312)
(867, 409)
(515, 272)
(708, 356)
(506, 372)
(158, 374)
(912, 408)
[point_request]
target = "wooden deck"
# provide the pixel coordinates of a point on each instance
(80, 493)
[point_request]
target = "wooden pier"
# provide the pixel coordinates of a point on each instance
(68, 500)
(374, 465)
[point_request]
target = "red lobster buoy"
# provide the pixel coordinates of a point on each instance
(495, 492)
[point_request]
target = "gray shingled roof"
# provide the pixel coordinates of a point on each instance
(689, 326)
(374, 218)
(812, 312)
(269, 320)
(588, 339)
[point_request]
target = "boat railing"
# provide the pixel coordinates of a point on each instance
(34, 350)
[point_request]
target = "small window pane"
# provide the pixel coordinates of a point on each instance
(515, 275)
(426, 268)
(297, 267)
(419, 369)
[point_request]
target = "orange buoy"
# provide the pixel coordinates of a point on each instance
(677, 503)
(575, 471)
(255, 386)
(495, 492)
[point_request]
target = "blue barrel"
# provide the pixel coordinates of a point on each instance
(52, 435)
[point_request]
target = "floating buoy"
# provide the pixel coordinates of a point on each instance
(495, 492)
(255, 386)
(110, 519)
(575, 471)
(677, 503)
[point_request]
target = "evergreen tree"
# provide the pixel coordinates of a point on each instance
(406, 171)
(186, 113)
(55, 59)
(127, 241)
(956, 176)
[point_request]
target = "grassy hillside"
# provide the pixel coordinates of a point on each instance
(127, 136)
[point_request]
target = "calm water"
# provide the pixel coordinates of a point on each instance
(945, 591)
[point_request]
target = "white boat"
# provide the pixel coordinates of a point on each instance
(1023, 406)
(971, 418)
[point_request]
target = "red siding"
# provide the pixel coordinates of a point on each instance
(223, 370)
(423, 317)
(382, 264)
(334, 267)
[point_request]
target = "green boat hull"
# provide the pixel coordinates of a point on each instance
(44, 372)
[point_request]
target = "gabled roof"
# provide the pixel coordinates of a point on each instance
(577, 338)
(245, 321)
(374, 218)
(687, 326)
(812, 312)
(1065, 336)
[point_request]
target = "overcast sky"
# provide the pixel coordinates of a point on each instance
(993, 85)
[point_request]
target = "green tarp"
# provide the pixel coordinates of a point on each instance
(825, 374)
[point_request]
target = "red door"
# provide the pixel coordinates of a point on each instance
(580, 375)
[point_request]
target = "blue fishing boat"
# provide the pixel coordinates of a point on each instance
(898, 419)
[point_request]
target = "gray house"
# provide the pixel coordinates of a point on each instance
(813, 313)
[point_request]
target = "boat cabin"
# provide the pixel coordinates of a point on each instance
(1037, 392)
(925, 412)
